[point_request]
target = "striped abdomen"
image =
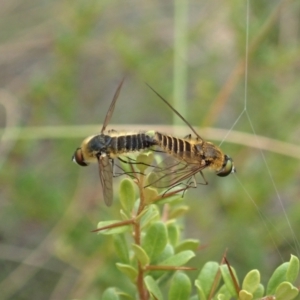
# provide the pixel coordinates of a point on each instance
(185, 149)
(121, 144)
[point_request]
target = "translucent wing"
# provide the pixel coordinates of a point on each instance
(172, 171)
(106, 175)
(112, 106)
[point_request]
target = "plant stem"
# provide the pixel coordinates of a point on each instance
(180, 57)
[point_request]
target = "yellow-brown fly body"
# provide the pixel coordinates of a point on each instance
(192, 154)
(112, 144)
(104, 147)
(195, 152)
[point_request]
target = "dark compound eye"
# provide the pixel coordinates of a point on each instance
(78, 158)
(227, 168)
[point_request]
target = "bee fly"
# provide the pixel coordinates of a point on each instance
(192, 155)
(103, 148)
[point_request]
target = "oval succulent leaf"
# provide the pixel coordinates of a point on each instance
(293, 269)
(110, 294)
(180, 287)
(207, 276)
(141, 255)
(286, 291)
(251, 281)
(155, 240)
(178, 259)
(277, 277)
(153, 288)
(127, 194)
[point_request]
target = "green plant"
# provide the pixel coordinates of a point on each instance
(153, 255)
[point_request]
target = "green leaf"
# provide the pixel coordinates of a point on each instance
(155, 239)
(223, 293)
(188, 244)
(178, 259)
(151, 133)
(173, 233)
(125, 295)
(200, 291)
(169, 199)
(114, 230)
(207, 277)
(228, 280)
(144, 160)
(121, 247)
(293, 269)
(180, 287)
(153, 288)
(251, 281)
(178, 211)
(125, 166)
(144, 212)
(127, 195)
(277, 277)
(151, 178)
(259, 292)
(128, 270)
(124, 215)
(244, 295)
(178, 201)
(286, 291)
(150, 214)
(141, 255)
(150, 195)
(167, 252)
(110, 294)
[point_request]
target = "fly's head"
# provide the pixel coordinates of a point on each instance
(84, 155)
(78, 158)
(227, 168)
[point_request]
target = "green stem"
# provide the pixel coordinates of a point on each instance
(180, 57)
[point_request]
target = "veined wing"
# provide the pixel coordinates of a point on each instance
(172, 171)
(106, 176)
(112, 107)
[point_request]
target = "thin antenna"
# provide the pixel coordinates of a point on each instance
(175, 111)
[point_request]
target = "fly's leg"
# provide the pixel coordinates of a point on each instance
(112, 131)
(131, 174)
(113, 168)
(205, 181)
(191, 183)
(131, 161)
(183, 190)
(188, 137)
(115, 174)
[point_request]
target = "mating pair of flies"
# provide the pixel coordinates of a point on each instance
(189, 155)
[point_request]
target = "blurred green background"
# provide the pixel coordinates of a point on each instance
(61, 62)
